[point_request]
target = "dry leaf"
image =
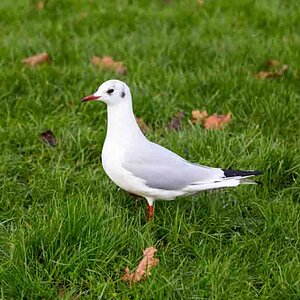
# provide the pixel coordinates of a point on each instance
(282, 70)
(273, 63)
(48, 138)
(176, 121)
(210, 122)
(269, 74)
(107, 63)
(143, 126)
(37, 59)
(199, 116)
(144, 267)
(274, 69)
(40, 5)
(217, 121)
(264, 75)
(200, 2)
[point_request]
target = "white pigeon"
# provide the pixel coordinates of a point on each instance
(147, 169)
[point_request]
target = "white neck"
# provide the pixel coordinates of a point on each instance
(122, 126)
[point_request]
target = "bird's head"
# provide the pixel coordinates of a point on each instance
(110, 92)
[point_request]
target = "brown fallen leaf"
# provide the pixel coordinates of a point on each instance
(37, 59)
(264, 75)
(107, 63)
(144, 267)
(274, 69)
(48, 138)
(217, 121)
(282, 70)
(175, 123)
(143, 126)
(199, 116)
(270, 75)
(210, 122)
(40, 5)
(273, 63)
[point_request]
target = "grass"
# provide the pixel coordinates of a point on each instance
(67, 231)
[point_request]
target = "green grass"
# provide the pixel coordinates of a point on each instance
(67, 230)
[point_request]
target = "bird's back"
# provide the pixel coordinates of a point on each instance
(163, 169)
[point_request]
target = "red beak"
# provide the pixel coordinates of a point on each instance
(90, 98)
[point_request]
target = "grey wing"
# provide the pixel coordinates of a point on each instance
(163, 169)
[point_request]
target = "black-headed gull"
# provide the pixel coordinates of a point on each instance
(147, 169)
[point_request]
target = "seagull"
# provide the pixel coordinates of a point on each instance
(147, 169)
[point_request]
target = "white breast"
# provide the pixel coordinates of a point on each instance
(111, 161)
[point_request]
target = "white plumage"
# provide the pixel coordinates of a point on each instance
(147, 169)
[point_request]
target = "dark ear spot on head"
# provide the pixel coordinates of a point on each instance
(123, 94)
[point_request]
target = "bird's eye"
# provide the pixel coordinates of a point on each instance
(110, 91)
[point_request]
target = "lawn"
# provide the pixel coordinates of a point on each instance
(67, 231)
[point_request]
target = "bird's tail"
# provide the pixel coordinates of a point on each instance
(242, 176)
(231, 178)
(235, 173)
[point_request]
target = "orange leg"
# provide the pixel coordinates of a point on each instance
(150, 212)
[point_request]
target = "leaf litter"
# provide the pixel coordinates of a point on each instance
(107, 63)
(214, 121)
(176, 122)
(217, 121)
(274, 69)
(200, 2)
(37, 59)
(48, 138)
(143, 269)
(40, 5)
(198, 116)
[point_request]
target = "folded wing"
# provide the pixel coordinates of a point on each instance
(160, 168)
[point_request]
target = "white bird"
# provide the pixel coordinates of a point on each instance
(147, 169)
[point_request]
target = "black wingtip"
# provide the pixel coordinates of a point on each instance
(233, 173)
